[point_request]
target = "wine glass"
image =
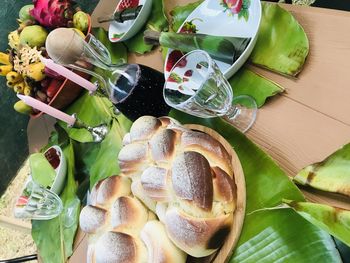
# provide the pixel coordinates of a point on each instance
(38, 203)
(134, 89)
(197, 86)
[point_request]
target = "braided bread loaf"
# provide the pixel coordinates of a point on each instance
(183, 176)
(121, 229)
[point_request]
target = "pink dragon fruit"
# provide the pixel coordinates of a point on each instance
(52, 13)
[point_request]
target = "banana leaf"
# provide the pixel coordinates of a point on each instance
(269, 235)
(282, 44)
(118, 51)
(105, 163)
(335, 221)
(332, 174)
(247, 82)
(54, 238)
(41, 170)
(93, 111)
(180, 13)
(283, 236)
(157, 21)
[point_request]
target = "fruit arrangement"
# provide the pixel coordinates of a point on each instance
(21, 65)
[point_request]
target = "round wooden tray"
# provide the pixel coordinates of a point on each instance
(224, 253)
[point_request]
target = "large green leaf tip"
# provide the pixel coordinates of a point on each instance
(246, 82)
(54, 238)
(41, 170)
(157, 21)
(283, 236)
(335, 221)
(332, 174)
(282, 44)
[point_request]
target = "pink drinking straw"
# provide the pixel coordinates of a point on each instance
(70, 120)
(59, 69)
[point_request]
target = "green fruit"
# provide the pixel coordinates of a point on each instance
(23, 108)
(33, 36)
(81, 21)
(24, 14)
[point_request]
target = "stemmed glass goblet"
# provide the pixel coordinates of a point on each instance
(197, 86)
(134, 89)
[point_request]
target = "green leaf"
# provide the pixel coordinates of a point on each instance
(282, 44)
(118, 51)
(180, 13)
(335, 221)
(54, 238)
(157, 21)
(332, 174)
(93, 111)
(246, 82)
(266, 183)
(105, 163)
(283, 236)
(41, 170)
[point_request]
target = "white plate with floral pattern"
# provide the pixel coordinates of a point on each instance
(123, 31)
(232, 18)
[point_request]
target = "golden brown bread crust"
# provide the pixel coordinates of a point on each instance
(118, 247)
(209, 147)
(184, 176)
(112, 188)
(128, 211)
(92, 218)
(133, 158)
(154, 181)
(144, 127)
(186, 170)
(192, 180)
(160, 248)
(115, 229)
(199, 237)
(224, 186)
(162, 145)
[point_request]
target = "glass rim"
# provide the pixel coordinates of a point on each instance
(209, 60)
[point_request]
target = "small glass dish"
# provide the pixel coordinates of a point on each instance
(38, 203)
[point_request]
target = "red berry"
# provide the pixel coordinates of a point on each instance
(189, 73)
(124, 4)
(174, 56)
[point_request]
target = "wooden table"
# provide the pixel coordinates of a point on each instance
(311, 119)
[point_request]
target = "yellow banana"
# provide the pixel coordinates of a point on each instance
(36, 71)
(4, 58)
(14, 76)
(19, 87)
(4, 69)
(27, 90)
(10, 84)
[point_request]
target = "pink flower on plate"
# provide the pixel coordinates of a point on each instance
(234, 5)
